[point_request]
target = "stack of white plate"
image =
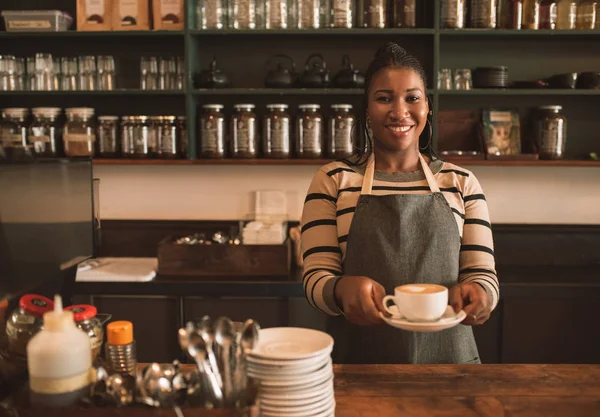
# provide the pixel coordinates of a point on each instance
(293, 368)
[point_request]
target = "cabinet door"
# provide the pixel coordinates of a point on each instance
(268, 312)
(551, 330)
(155, 323)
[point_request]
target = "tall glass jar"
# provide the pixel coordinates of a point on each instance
(586, 14)
(483, 14)
(566, 14)
(244, 132)
(343, 14)
(375, 14)
(182, 126)
(26, 321)
(551, 132)
(516, 14)
(108, 136)
(212, 131)
(453, 13)
(45, 131)
(135, 137)
(168, 138)
(79, 133)
(313, 14)
(276, 132)
(13, 134)
(280, 14)
(548, 14)
(309, 132)
(405, 13)
(155, 126)
(531, 14)
(246, 14)
(211, 14)
(341, 122)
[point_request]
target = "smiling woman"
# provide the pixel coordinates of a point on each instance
(395, 214)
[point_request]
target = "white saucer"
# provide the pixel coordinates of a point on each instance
(448, 320)
(291, 343)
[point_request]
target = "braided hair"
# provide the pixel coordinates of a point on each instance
(390, 55)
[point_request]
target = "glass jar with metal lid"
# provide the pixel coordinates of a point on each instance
(13, 134)
(212, 131)
(276, 132)
(244, 132)
(484, 14)
(182, 126)
(453, 13)
(551, 132)
(339, 141)
(86, 318)
(79, 133)
(26, 321)
(309, 132)
(108, 136)
(45, 131)
(135, 137)
(155, 127)
(168, 138)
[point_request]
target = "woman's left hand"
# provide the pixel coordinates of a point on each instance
(473, 299)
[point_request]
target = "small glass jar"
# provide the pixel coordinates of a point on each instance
(155, 127)
(516, 14)
(276, 132)
(168, 138)
(551, 132)
(280, 14)
(45, 131)
(85, 318)
(484, 14)
(212, 131)
(13, 134)
(375, 14)
(309, 132)
(108, 136)
(405, 13)
(246, 14)
(244, 132)
(26, 321)
(313, 14)
(453, 13)
(548, 14)
(531, 14)
(135, 137)
(183, 134)
(343, 14)
(79, 133)
(586, 14)
(566, 14)
(340, 140)
(211, 14)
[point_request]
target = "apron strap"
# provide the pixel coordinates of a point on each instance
(367, 185)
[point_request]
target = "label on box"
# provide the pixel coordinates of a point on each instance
(128, 12)
(500, 116)
(94, 11)
(29, 24)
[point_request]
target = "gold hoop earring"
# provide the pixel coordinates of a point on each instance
(428, 145)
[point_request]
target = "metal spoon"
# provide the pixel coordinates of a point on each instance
(197, 350)
(224, 337)
(206, 330)
(248, 340)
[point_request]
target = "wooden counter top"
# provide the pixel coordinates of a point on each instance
(432, 391)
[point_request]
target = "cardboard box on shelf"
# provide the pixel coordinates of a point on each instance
(131, 15)
(94, 15)
(168, 14)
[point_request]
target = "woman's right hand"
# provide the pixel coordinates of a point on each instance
(361, 299)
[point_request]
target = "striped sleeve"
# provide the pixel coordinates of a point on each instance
(320, 248)
(477, 263)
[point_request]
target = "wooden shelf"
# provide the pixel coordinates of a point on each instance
(519, 33)
(279, 91)
(316, 32)
(77, 34)
(519, 92)
(118, 92)
(319, 162)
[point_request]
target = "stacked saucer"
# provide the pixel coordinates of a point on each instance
(490, 77)
(293, 369)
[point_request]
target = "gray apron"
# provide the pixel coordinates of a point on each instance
(394, 240)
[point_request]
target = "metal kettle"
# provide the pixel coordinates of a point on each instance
(316, 74)
(212, 77)
(278, 75)
(348, 76)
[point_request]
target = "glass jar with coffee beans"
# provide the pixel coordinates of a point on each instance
(341, 122)
(212, 131)
(79, 133)
(276, 132)
(309, 132)
(108, 137)
(244, 132)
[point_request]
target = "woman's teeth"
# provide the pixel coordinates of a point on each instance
(399, 128)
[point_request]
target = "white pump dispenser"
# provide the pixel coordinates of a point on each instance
(59, 360)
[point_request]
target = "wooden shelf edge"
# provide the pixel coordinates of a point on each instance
(518, 32)
(316, 32)
(319, 162)
(85, 34)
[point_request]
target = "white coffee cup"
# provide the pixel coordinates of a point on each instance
(418, 302)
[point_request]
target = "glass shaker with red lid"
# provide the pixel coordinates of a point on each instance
(26, 321)
(87, 319)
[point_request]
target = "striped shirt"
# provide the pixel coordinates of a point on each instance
(329, 208)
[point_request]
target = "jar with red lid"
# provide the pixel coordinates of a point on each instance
(87, 319)
(26, 321)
